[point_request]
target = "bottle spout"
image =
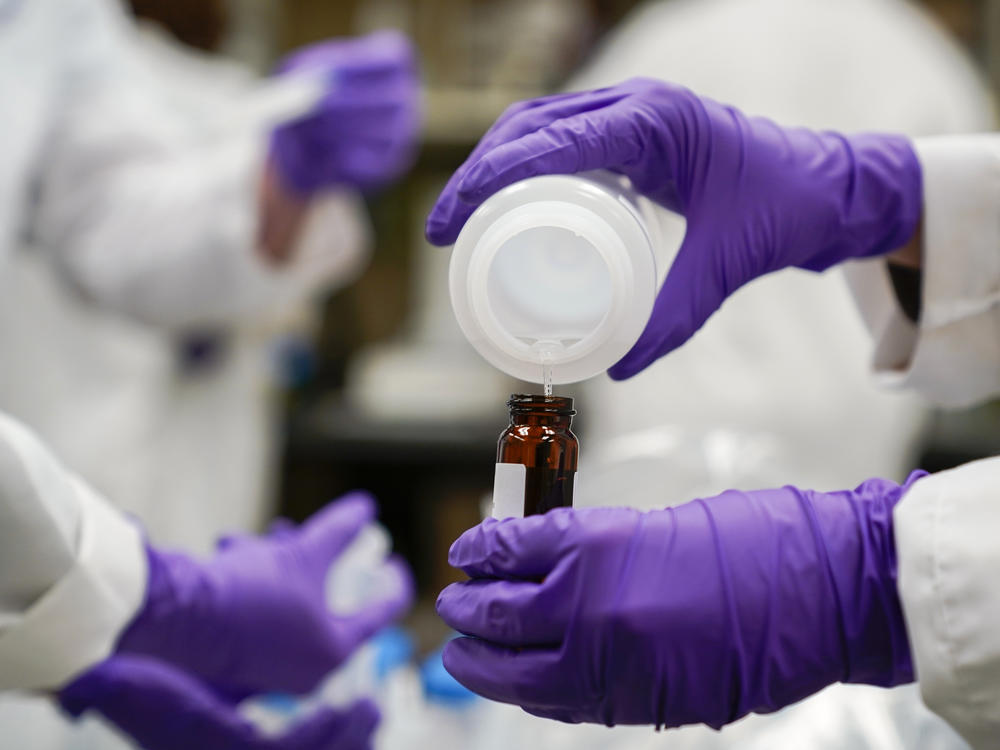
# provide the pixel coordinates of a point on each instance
(545, 351)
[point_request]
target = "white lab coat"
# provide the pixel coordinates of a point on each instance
(946, 525)
(72, 568)
(141, 229)
(128, 209)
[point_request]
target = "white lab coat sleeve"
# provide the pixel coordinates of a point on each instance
(953, 355)
(949, 566)
(156, 216)
(72, 569)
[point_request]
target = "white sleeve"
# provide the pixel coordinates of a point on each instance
(157, 218)
(72, 569)
(953, 355)
(949, 582)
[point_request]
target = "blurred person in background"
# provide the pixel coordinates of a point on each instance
(161, 216)
(741, 403)
(169, 228)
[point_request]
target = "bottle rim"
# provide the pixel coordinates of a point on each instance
(527, 403)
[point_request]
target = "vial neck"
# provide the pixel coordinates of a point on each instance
(550, 411)
(541, 419)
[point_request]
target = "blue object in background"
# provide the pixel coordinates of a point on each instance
(294, 360)
(440, 687)
(283, 704)
(393, 650)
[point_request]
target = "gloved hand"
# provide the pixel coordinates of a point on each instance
(758, 197)
(744, 602)
(254, 616)
(363, 132)
(164, 708)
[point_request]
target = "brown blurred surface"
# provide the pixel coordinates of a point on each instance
(197, 23)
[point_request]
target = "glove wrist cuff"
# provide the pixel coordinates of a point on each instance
(877, 641)
(170, 609)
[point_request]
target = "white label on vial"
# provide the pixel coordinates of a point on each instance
(508, 490)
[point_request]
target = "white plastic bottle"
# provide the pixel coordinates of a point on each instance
(558, 270)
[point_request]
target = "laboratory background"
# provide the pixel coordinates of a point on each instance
(356, 374)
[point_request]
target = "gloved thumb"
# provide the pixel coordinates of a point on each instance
(354, 629)
(159, 706)
(330, 728)
(696, 286)
(324, 536)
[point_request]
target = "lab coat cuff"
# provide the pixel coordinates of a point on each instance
(953, 356)
(76, 623)
(948, 561)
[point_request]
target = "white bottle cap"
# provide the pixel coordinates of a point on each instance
(555, 269)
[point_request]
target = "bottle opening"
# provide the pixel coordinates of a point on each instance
(556, 264)
(549, 283)
(521, 403)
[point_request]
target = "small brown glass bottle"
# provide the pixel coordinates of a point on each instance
(536, 457)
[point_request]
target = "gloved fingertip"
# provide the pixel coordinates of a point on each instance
(453, 607)
(407, 591)
(622, 371)
(325, 535)
(361, 497)
(454, 551)
(453, 655)
(468, 547)
(438, 229)
(355, 508)
(444, 598)
(367, 713)
(85, 691)
(281, 526)
(347, 728)
(642, 354)
(72, 701)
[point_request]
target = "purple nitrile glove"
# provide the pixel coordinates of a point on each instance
(363, 132)
(164, 708)
(744, 602)
(758, 197)
(255, 616)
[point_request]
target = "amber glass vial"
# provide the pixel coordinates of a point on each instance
(539, 438)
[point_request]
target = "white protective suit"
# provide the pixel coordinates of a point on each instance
(947, 524)
(128, 217)
(138, 232)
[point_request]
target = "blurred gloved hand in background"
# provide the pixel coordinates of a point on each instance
(363, 131)
(744, 602)
(757, 197)
(165, 708)
(255, 616)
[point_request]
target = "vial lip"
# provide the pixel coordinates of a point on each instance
(524, 403)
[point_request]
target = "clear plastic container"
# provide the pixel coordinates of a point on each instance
(558, 270)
